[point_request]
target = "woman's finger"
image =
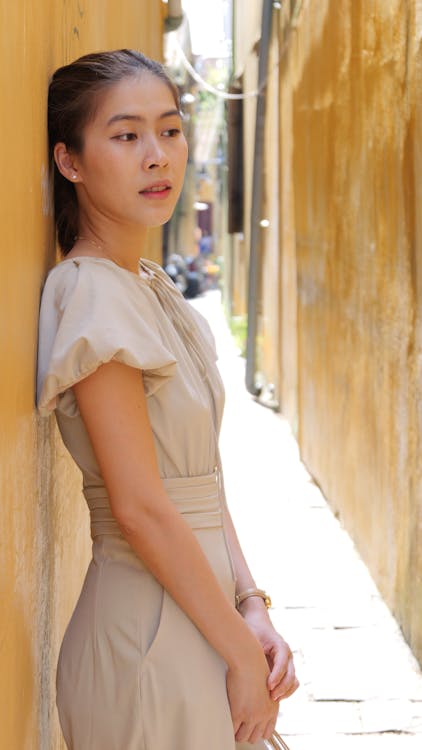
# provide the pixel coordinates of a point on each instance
(237, 723)
(281, 659)
(269, 729)
(244, 732)
(290, 692)
(285, 682)
(285, 688)
(260, 731)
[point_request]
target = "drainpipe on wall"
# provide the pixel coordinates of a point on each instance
(257, 183)
(174, 15)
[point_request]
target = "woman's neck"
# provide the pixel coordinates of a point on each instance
(119, 244)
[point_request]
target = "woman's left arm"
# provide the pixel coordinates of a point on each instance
(282, 680)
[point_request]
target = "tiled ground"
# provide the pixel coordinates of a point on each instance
(361, 689)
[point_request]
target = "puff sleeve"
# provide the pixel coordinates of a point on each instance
(92, 313)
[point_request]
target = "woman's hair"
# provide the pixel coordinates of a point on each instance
(72, 102)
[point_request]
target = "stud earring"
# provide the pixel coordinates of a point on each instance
(74, 176)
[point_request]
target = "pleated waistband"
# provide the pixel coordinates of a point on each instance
(196, 498)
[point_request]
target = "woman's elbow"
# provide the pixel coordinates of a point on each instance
(137, 516)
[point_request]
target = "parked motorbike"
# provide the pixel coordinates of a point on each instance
(176, 269)
(186, 273)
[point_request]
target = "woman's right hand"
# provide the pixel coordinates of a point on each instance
(254, 713)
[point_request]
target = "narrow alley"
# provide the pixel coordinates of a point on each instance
(361, 688)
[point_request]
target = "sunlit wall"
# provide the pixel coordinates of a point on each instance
(43, 523)
(340, 269)
(357, 184)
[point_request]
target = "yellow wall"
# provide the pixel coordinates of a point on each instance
(357, 134)
(349, 334)
(43, 523)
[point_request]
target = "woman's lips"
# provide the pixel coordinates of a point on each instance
(156, 192)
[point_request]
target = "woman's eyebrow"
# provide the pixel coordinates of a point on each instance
(138, 118)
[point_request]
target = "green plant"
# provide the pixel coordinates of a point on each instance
(239, 330)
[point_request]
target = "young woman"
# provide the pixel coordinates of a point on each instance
(156, 655)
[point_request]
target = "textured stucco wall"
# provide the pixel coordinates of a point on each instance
(357, 141)
(348, 339)
(43, 523)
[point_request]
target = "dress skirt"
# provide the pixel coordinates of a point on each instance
(134, 672)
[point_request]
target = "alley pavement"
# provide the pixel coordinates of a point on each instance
(361, 688)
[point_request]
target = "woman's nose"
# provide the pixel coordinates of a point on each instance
(154, 156)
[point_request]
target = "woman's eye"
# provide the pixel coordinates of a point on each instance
(171, 132)
(126, 137)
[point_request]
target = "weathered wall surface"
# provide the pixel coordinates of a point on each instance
(348, 338)
(43, 522)
(357, 140)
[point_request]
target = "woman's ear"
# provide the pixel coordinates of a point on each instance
(65, 162)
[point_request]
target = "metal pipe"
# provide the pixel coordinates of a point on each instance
(174, 15)
(257, 184)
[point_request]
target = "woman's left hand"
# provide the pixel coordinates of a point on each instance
(282, 680)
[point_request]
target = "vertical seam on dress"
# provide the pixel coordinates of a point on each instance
(95, 647)
(139, 680)
(141, 714)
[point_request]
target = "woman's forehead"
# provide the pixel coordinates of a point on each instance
(144, 96)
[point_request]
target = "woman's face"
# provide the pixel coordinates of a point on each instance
(134, 156)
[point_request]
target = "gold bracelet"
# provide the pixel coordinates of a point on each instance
(253, 592)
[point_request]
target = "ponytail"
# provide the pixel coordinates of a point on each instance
(66, 212)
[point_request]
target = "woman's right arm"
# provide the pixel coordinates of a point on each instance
(113, 406)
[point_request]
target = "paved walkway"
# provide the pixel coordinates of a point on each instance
(361, 688)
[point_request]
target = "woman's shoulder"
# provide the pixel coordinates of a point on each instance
(86, 266)
(87, 292)
(92, 312)
(88, 276)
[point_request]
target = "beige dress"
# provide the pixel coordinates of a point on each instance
(134, 673)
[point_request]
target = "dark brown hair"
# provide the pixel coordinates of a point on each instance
(72, 101)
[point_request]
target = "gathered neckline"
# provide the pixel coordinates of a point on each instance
(144, 272)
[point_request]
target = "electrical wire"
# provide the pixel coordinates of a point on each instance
(247, 94)
(196, 77)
